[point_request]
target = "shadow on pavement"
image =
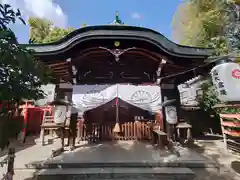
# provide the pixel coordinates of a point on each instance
(236, 166)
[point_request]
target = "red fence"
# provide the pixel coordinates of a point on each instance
(231, 131)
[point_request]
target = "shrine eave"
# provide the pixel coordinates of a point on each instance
(119, 32)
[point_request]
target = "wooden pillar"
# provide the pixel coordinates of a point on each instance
(56, 91)
(25, 113)
(160, 115)
(10, 168)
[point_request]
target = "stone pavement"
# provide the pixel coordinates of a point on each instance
(119, 152)
(127, 151)
(27, 153)
(214, 149)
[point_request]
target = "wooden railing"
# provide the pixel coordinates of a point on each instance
(129, 131)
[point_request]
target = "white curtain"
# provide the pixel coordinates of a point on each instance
(147, 97)
(87, 97)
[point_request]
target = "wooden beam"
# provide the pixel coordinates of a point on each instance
(66, 79)
(63, 74)
(175, 66)
(59, 67)
(99, 53)
(59, 64)
(63, 71)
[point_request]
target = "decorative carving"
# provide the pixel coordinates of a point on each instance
(147, 74)
(124, 75)
(87, 73)
(74, 70)
(159, 70)
(141, 97)
(93, 97)
(117, 43)
(74, 81)
(144, 97)
(117, 52)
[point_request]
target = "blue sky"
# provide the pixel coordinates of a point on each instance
(154, 14)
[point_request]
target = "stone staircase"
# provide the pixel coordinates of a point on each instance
(116, 173)
(56, 170)
(118, 160)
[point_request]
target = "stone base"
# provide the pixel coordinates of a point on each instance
(116, 173)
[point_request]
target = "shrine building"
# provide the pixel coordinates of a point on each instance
(120, 73)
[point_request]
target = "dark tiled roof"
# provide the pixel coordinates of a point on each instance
(120, 32)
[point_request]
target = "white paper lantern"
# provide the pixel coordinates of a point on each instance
(226, 78)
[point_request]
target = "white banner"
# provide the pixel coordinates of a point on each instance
(87, 97)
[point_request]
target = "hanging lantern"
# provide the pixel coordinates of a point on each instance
(59, 110)
(226, 78)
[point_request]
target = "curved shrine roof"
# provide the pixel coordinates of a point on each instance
(119, 32)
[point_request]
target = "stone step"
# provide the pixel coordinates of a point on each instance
(116, 173)
(180, 164)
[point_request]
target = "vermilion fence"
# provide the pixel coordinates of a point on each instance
(231, 131)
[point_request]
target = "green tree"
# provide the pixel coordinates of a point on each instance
(39, 29)
(44, 31)
(209, 23)
(201, 23)
(209, 97)
(233, 26)
(56, 34)
(21, 75)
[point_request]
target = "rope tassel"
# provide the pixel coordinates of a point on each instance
(116, 128)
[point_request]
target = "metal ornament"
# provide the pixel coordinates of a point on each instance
(117, 43)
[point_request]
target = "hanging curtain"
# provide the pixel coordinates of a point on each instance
(86, 97)
(146, 97)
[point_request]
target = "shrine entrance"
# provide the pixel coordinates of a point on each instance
(119, 111)
(133, 122)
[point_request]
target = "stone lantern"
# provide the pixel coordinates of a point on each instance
(60, 109)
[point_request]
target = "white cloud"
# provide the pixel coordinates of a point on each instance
(136, 15)
(40, 8)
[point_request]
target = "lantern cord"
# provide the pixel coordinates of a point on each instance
(210, 61)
